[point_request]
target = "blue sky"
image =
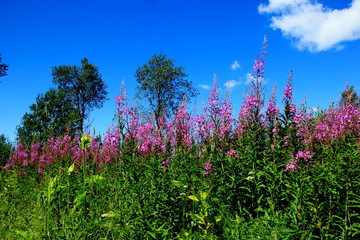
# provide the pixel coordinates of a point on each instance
(318, 40)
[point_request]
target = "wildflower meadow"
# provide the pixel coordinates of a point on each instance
(263, 173)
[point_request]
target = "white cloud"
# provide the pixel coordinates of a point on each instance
(235, 65)
(231, 84)
(204, 86)
(312, 25)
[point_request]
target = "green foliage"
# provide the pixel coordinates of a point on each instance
(6, 148)
(84, 86)
(3, 68)
(349, 95)
(204, 219)
(163, 85)
(85, 142)
(249, 196)
(52, 115)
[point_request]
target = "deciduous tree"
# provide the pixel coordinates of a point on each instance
(83, 84)
(52, 115)
(163, 85)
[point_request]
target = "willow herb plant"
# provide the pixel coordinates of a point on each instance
(262, 173)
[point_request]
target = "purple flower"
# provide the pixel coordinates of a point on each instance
(165, 164)
(303, 155)
(232, 154)
(259, 64)
(207, 167)
(291, 166)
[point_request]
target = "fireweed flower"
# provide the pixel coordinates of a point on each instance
(232, 154)
(286, 140)
(207, 167)
(110, 149)
(201, 130)
(144, 137)
(212, 109)
(126, 114)
(34, 155)
(259, 64)
(226, 121)
(272, 112)
(291, 166)
(250, 112)
(338, 123)
(213, 100)
(303, 157)
(302, 120)
(180, 128)
(20, 156)
(288, 92)
(78, 156)
(165, 164)
(290, 107)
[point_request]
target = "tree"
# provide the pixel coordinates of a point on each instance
(3, 68)
(6, 149)
(163, 85)
(84, 86)
(349, 95)
(52, 115)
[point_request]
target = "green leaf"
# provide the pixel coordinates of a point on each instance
(153, 235)
(51, 186)
(286, 230)
(94, 179)
(109, 214)
(79, 199)
(71, 169)
(193, 197)
(177, 183)
(203, 195)
(24, 234)
(250, 178)
(200, 219)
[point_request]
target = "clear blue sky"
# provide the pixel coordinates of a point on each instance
(318, 40)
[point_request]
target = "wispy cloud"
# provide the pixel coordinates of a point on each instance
(313, 26)
(235, 65)
(204, 86)
(231, 84)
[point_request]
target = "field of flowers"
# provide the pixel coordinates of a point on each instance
(264, 174)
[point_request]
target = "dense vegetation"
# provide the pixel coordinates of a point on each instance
(266, 174)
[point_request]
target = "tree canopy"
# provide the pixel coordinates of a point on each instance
(3, 68)
(6, 148)
(83, 84)
(163, 85)
(52, 115)
(349, 95)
